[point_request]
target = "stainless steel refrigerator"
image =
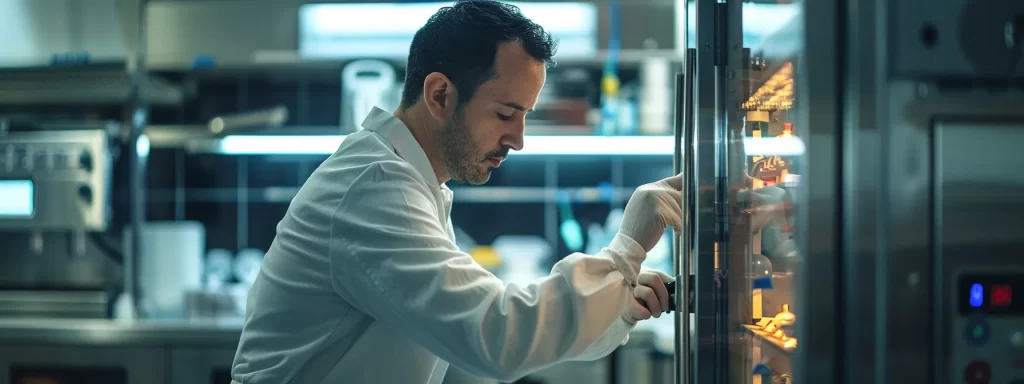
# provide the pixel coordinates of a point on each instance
(852, 195)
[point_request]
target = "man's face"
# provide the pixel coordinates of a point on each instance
(484, 129)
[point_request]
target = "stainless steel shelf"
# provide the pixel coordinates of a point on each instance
(171, 332)
(197, 138)
(119, 333)
(773, 343)
(291, 59)
(63, 85)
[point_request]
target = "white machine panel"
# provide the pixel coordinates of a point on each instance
(55, 180)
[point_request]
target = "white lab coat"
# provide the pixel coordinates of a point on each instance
(364, 284)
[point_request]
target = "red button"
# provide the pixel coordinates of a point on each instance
(1002, 295)
(978, 372)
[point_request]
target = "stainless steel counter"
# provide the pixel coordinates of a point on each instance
(181, 351)
(120, 332)
(157, 332)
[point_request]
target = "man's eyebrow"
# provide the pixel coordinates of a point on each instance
(515, 106)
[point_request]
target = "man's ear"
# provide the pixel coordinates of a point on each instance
(440, 96)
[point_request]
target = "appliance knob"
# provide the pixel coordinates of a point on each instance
(1017, 340)
(85, 192)
(978, 372)
(85, 161)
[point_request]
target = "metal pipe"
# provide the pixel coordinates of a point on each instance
(270, 117)
(137, 120)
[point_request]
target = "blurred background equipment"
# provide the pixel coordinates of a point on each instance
(253, 120)
(367, 84)
(56, 199)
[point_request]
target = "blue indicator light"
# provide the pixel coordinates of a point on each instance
(977, 295)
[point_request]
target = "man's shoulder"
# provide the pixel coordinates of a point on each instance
(397, 172)
(368, 159)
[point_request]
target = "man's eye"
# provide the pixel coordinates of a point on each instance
(504, 117)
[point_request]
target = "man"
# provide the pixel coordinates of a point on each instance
(364, 283)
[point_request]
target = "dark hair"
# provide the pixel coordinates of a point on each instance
(461, 41)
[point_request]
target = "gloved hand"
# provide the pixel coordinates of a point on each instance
(651, 292)
(636, 312)
(651, 209)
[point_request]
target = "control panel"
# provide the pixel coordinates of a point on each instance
(55, 180)
(988, 326)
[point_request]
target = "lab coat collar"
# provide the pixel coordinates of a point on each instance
(393, 130)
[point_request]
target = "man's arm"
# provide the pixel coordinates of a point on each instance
(391, 258)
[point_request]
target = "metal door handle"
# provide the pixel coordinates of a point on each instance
(683, 251)
(684, 164)
(671, 287)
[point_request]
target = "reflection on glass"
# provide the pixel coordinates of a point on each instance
(775, 94)
(765, 203)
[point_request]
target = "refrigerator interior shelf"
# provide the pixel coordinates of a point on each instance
(769, 339)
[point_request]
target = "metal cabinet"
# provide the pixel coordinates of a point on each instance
(201, 365)
(21, 364)
(858, 161)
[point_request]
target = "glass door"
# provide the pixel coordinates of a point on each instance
(745, 153)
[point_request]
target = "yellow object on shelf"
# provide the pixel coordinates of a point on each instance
(610, 84)
(486, 256)
(759, 116)
(787, 344)
(758, 311)
(785, 317)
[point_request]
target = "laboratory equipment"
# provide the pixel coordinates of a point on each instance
(367, 84)
(55, 179)
(55, 203)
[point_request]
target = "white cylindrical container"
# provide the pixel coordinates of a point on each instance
(170, 264)
(656, 99)
(365, 84)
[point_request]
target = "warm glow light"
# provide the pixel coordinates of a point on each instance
(774, 94)
(789, 344)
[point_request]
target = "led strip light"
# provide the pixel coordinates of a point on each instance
(533, 145)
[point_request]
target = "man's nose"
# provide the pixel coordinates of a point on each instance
(514, 139)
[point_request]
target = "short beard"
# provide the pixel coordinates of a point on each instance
(460, 152)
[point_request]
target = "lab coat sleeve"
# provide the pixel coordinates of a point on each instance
(391, 258)
(612, 338)
(617, 335)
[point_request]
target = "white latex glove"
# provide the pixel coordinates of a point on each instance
(651, 292)
(636, 312)
(652, 208)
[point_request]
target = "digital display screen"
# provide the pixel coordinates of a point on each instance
(991, 294)
(17, 198)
